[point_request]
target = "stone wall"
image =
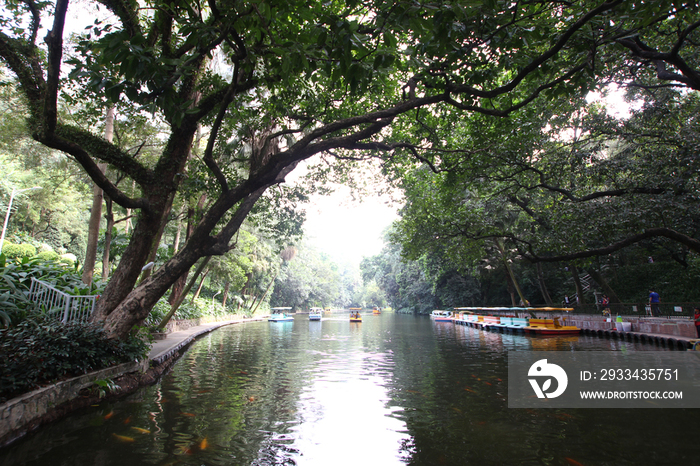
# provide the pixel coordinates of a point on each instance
(20, 413)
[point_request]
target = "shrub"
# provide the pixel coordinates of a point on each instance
(47, 255)
(40, 352)
(18, 251)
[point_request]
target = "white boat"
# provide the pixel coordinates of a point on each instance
(279, 315)
(441, 316)
(315, 313)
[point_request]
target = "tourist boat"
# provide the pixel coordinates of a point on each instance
(315, 313)
(501, 326)
(517, 324)
(355, 315)
(490, 322)
(550, 327)
(376, 311)
(441, 316)
(279, 315)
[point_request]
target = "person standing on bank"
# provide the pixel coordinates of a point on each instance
(654, 303)
(697, 320)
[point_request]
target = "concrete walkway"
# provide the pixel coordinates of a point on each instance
(174, 341)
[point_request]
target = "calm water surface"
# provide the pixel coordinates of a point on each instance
(392, 390)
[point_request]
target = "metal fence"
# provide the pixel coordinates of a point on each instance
(666, 310)
(64, 307)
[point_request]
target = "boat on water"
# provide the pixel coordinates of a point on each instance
(376, 311)
(550, 327)
(279, 314)
(441, 316)
(517, 324)
(355, 315)
(491, 322)
(315, 313)
(512, 323)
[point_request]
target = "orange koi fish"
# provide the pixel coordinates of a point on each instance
(203, 444)
(109, 415)
(143, 431)
(123, 438)
(572, 462)
(189, 414)
(127, 420)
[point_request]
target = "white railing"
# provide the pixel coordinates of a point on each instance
(66, 308)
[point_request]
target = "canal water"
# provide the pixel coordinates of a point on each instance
(391, 390)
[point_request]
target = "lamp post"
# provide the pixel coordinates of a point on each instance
(9, 208)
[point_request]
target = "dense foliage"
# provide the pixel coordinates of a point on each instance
(44, 351)
(217, 102)
(16, 279)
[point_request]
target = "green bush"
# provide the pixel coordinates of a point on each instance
(18, 251)
(37, 353)
(47, 255)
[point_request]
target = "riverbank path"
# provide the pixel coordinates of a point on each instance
(161, 350)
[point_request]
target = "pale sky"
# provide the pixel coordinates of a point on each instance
(348, 230)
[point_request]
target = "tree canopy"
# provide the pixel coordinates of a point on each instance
(245, 90)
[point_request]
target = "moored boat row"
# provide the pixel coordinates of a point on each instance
(478, 317)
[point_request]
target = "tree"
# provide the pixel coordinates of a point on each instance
(300, 79)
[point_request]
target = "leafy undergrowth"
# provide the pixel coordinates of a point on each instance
(40, 352)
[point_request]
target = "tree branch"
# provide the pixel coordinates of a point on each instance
(691, 243)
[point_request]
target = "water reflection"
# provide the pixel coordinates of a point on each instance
(391, 390)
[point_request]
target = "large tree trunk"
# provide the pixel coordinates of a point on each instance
(135, 305)
(147, 231)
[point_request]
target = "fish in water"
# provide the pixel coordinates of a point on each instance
(127, 420)
(195, 447)
(143, 431)
(123, 438)
(109, 415)
(572, 462)
(189, 414)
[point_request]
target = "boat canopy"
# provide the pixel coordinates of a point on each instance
(280, 308)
